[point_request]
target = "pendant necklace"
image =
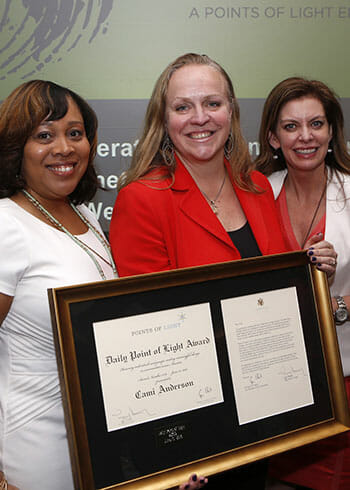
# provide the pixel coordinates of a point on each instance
(90, 251)
(314, 216)
(212, 202)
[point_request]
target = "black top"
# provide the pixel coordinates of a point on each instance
(245, 242)
(251, 476)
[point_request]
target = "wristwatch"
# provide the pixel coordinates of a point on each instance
(341, 314)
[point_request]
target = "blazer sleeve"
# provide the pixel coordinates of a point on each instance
(137, 235)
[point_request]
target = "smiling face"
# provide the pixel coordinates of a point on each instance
(302, 133)
(198, 113)
(56, 155)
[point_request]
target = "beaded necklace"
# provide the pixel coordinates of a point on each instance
(90, 251)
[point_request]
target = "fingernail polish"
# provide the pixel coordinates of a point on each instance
(201, 480)
(310, 252)
(194, 477)
(313, 259)
(187, 486)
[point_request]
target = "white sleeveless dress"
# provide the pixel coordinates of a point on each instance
(33, 257)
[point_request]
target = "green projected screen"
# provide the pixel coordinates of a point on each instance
(112, 51)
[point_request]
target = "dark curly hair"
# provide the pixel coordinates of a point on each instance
(23, 111)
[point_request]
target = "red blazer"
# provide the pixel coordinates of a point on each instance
(155, 227)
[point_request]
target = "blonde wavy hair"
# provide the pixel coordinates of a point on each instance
(148, 154)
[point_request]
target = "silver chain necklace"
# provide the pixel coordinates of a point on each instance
(212, 202)
(90, 251)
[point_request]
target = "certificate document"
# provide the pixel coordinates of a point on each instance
(267, 353)
(157, 364)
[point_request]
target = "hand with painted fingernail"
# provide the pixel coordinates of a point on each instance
(322, 254)
(194, 482)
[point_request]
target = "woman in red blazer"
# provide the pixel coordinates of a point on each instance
(159, 225)
(190, 197)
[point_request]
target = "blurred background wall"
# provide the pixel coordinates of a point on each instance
(112, 51)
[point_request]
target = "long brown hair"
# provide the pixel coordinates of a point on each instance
(291, 89)
(148, 153)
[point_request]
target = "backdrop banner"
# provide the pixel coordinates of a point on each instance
(112, 51)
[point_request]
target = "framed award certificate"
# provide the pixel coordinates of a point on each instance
(196, 370)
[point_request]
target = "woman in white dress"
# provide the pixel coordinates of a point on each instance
(48, 143)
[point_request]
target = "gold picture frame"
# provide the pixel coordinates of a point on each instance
(159, 453)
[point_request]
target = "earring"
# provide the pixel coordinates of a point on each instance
(229, 145)
(167, 151)
(275, 155)
(329, 150)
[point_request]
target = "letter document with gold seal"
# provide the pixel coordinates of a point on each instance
(267, 353)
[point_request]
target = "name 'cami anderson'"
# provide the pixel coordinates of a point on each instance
(163, 389)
